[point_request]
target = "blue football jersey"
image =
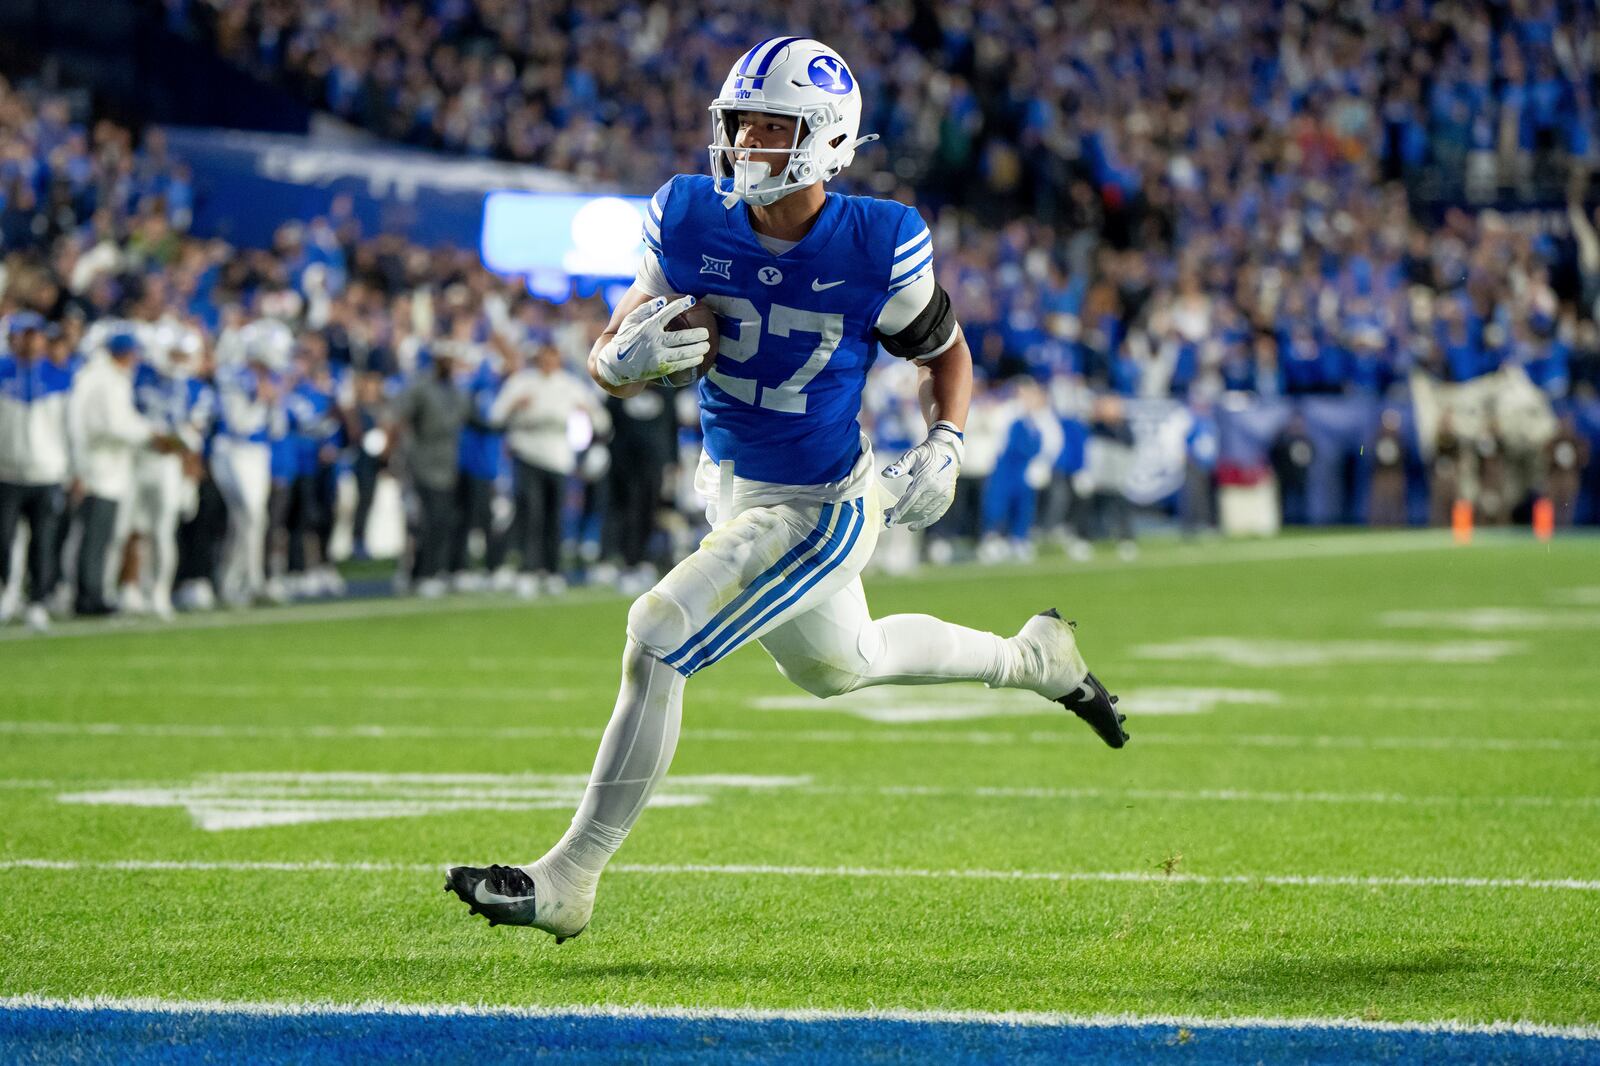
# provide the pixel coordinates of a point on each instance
(172, 402)
(797, 328)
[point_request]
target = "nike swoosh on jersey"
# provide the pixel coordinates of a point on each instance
(817, 286)
(484, 894)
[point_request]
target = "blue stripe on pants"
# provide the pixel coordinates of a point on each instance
(785, 596)
(762, 580)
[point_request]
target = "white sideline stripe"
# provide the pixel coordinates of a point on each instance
(300, 614)
(1289, 550)
(385, 607)
(521, 695)
(1033, 1019)
(809, 736)
(1563, 884)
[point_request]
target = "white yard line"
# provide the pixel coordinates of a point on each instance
(1561, 884)
(1037, 1019)
(1222, 795)
(497, 791)
(1212, 739)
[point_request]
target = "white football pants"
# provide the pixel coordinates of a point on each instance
(157, 505)
(785, 575)
(243, 472)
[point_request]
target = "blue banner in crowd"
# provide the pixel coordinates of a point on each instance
(428, 199)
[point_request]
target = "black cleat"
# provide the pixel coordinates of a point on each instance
(1091, 702)
(505, 895)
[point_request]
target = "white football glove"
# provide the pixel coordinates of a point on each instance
(645, 349)
(929, 471)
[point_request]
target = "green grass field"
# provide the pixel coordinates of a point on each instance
(1305, 714)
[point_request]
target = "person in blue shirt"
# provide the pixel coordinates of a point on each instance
(35, 459)
(1010, 499)
(806, 288)
(480, 460)
(173, 399)
(316, 434)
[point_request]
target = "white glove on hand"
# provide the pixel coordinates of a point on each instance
(930, 471)
(645, 349)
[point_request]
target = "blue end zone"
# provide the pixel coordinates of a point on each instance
(57, 1035)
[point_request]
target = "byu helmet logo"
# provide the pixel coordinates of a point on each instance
(830, 75)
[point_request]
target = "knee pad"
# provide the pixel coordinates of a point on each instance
(658, 623)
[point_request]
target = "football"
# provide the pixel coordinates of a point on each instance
(698, 315)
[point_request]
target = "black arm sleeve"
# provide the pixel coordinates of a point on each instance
(929, 332)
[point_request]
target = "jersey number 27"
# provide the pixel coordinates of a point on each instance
(781, 322)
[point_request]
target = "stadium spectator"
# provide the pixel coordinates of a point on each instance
(108, 431)
(250, 417)
(34, 461)
(536, 408)
(176, 402)
(1033, 440)
(481, 465)
(369, 445)
(427, 421)
(643, 443)
(316, 432)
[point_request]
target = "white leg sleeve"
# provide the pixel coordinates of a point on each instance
(634, 755)
(838, 647)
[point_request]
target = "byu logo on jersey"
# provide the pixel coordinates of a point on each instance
(719, 267)
(770, 275)
(830, 75)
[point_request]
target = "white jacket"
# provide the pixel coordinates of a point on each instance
(537, 432)
(107, 429)
(35, 443)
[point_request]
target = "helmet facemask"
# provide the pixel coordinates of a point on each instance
(753, 182)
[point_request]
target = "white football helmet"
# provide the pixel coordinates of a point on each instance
(787, 76)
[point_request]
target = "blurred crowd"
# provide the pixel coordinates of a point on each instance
(1160, 196)
(1130, 202)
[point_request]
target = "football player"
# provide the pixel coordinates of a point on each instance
(806, 286)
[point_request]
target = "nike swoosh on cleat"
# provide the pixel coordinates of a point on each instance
(483, 894)
(1085, 691)
(817, 286)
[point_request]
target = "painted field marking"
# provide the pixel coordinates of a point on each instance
(1558, 884)
(958, 703)
(1582, 596)
(223, 801)
(1353, 742)
(1272, 653)
(1493, 619)
(1287, 550)
(386, 664)
(301, 614)
(1040, 1019)
(529, 694)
